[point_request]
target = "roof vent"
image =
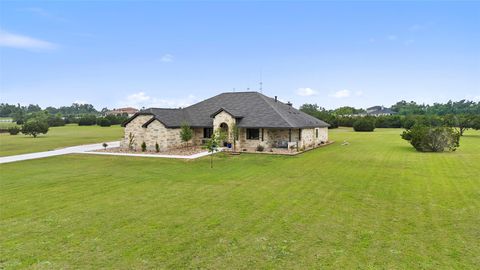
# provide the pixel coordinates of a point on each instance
(289, 104)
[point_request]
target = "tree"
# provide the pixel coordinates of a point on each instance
(212, 144)
(462, 122)
(105, 145)
(235, 133)
(432, 139)
(35, 126)
(186, 133)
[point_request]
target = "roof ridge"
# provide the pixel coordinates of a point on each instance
(274, 108)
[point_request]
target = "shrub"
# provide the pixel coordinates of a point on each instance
(87, 120)
(157, 147)
(144, 147)
(186, 133)
(13, 130)
(105, 145)
(35, 126)
(260, 148)
(364, 124)
(432, 139)
(55, 120)
(103, 122)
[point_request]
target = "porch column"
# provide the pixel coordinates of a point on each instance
(289, 135)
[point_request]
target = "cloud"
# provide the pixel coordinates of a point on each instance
(167, 58)
(80, 102)
(141, 99)
(341, 94)
(306, 92)
(358, 93)
(17, 41)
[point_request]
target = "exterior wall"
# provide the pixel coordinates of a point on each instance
(156, 132)
(135, 127)
(224, 117)
(270, 137)
(308, 137)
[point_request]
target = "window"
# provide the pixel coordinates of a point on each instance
(207, 132)
(253, 133)
(316, 133)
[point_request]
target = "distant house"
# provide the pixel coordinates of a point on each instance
(128, 111)
(260, 120)
(379, 111)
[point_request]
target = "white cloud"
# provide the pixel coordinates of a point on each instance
(306, 92)
(167, 58)
(358, 93)
(12, 40)
(80, 102)
(477, 98)
(141, 99)
(392, 37)
(341, 94)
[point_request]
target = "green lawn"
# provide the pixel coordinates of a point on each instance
(57, 137)
(374, 204)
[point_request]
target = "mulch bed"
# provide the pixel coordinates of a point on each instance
(183, 151)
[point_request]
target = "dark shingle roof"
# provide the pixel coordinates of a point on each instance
(252, 110)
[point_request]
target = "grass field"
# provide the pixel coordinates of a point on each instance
(57, 137)
(375, 204)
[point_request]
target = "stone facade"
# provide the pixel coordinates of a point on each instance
(156, 132)
(168, 138)
(224, 117)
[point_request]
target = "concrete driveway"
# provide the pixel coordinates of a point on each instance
(62, 151)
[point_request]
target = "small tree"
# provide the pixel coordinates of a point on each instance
(186, 133)
(131, 141)
(157, 147)
(105, 145)
(35, 126)
(235, 133)
(213, 143)
(144, 146)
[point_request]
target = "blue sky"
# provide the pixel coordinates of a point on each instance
(169, 54)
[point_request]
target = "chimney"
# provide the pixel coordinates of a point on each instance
(275, 98)
(289, 104)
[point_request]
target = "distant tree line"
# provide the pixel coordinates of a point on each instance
(461, 115)
(81, 114)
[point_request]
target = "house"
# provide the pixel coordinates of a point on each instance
(260, 120)
(379, 111)
(129, 111)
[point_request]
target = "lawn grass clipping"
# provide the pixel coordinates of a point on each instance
(376, 203)
(57, 137)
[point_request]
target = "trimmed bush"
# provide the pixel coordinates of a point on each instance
(87, 120)
(13, 130)
(432, 139)
(157, 147)
(103, 122)
(364, 124)
(260, 148)
(144, 147)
